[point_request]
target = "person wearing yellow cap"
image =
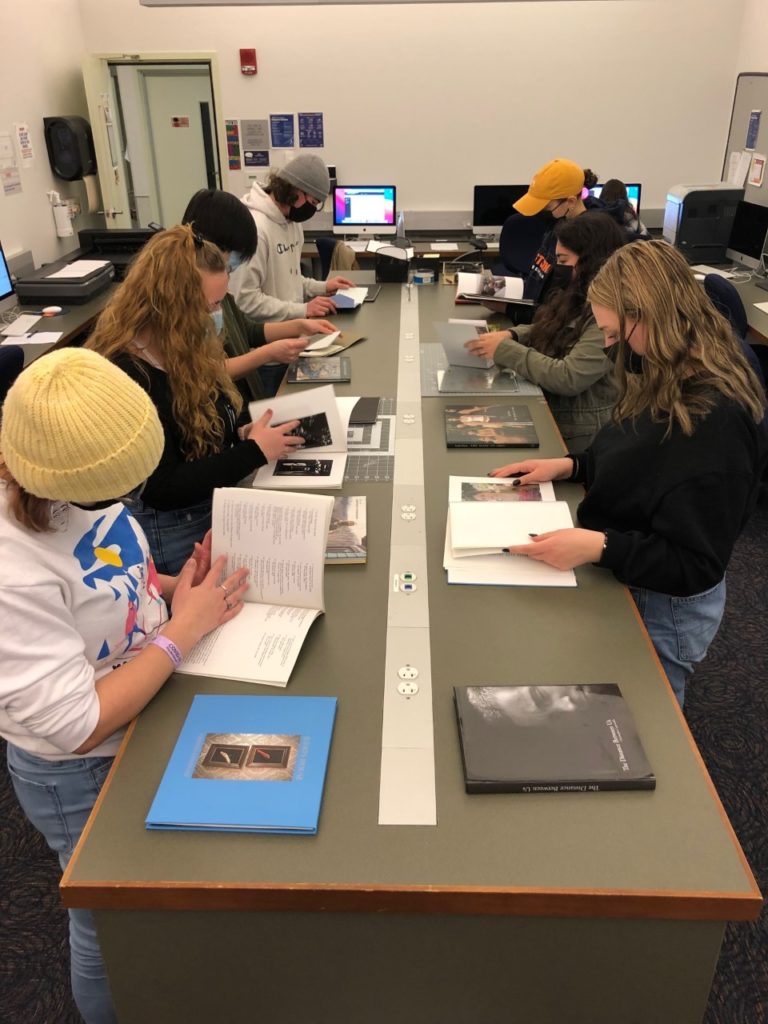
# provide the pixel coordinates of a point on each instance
(86, 641)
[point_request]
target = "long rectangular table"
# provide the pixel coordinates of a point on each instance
(545, 909)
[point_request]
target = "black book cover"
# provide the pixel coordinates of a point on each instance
(549, 739)
(490, 426)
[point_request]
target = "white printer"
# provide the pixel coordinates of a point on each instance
(698, 219)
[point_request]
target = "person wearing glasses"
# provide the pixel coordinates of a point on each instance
(673, 477)
(271, 286)
(158, 328)
(258, 352)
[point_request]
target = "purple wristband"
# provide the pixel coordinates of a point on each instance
(170, 649)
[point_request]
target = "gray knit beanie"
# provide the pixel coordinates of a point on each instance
(309, 173)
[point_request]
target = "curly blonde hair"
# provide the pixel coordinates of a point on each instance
(162, 297)
(687, 341)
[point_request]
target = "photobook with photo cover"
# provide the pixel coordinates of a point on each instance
(321, 461)
(327, 370)
(490, 426)
(347, 536)
(281, 540)
(506, 488)
(334, 343)
(247, 764)
(480, 288)
(549, 739)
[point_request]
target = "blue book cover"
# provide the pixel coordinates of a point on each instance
(247, 764)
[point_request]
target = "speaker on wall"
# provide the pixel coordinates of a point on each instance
(70, 147)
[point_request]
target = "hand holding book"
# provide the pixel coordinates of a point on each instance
(274, 441)
(563, 549)
(536, 471)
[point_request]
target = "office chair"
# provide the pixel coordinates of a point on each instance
(726, 300)
(11, 365)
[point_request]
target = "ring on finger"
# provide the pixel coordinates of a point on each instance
(222, 587)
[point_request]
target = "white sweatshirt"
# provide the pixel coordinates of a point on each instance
(75, 603)
(270, 286)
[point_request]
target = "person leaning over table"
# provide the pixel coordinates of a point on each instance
(86, 640)
(672, 479)
(257, 351)
(158, 329)
(563, 350)
(271, 286)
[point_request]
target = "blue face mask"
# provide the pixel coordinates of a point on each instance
(234, 261)
(218, 320)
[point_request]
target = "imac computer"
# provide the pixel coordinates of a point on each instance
(364, 210)
(633, 194)
(7, 293)
(746, 244)
(491, 206)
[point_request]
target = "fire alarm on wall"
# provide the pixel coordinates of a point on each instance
(248, 62)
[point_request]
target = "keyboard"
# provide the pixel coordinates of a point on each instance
(21, 325)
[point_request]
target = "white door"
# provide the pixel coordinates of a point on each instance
(107, 141)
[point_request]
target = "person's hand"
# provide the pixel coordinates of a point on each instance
(285, 350)
(563, 549)
(536, 471)
(201, 607)
(320, 306)
(485, 345)
(275, 442)
(314, 326)
(202, 558)
(334, 283)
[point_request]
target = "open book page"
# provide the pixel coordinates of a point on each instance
(454, 335)
(279, 538)
(488, 488)
(495, 525)
(480, 288)
(317, 412)
(297, 472)
(495, 568)
(349, 298)
(260, 645)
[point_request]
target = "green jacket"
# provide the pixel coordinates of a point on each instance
(241, 334)
(579, 388)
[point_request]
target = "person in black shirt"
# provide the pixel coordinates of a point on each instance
(158, 329)
(672, 479)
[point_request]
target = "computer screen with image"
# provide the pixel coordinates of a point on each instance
(746, 244)
(491, 206)
(7, 294)
(633, 194)
(364, 210)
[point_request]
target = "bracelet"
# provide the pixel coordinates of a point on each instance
(170, 648)
(605, 540)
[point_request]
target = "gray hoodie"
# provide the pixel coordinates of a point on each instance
(270, 286)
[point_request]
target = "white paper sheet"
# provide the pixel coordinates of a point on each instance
(80, 268)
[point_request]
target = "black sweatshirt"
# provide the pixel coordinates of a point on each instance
(178, 482)
(672, 509)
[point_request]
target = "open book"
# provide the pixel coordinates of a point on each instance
(281, 539)
(479, 288)
(330, 344)
(349, 298)
(455, 334)
(320, 463)
(486, 514)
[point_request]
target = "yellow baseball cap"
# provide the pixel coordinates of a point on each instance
(558, 179)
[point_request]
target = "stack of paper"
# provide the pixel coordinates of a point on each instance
(486, 515)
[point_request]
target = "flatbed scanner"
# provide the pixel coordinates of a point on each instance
(68, 281)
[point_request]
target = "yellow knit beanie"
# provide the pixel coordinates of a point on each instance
(76, 428)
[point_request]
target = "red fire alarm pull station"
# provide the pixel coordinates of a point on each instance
(248, 62)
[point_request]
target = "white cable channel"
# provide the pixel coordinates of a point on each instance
(407, 783)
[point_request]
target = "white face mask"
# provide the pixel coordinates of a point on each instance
(234, 260)
(218, 320)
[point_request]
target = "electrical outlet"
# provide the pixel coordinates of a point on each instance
(408, 688)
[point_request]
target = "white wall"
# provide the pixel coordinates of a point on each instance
(752, 54)
(40, 76)
(438, 97)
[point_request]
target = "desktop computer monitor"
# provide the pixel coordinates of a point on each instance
(746, 243)
(633, 194)
(7, 293)
(491, 206)
(364, 210)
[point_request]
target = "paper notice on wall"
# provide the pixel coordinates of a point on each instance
(7, 155)
(753, 128)
(738, 167)
(255, 134)
(11, 179)
(311, 131)
(282, 131)
(233, 144)
(756, 170)
(256, 157)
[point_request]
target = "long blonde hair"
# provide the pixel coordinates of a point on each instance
(162, 297)
(687, 341)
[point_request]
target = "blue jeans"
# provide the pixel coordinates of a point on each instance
(272, 377)
(681, 628)
(57, 797)
(172, 534)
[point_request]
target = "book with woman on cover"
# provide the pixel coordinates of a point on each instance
(280, 539)
(549, 739)
(490, 426)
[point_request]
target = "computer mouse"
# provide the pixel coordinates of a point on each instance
(51, 310)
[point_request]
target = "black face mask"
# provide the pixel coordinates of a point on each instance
(298, 214)
(633, 361)
(562, 275)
